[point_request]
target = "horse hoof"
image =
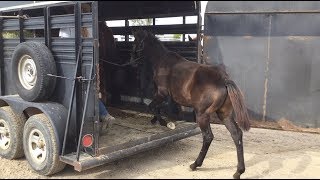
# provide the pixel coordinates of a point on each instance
(236, 175)
(171, 125)
(163, 122)
(154, 121)
(193, 167)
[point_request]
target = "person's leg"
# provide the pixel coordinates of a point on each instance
(105, 117)
(102, 109)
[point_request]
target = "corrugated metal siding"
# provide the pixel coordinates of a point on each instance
(273, 56)
(63, 50)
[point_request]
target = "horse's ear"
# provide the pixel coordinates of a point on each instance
(133, 31)
(140, 30)
(145, 32)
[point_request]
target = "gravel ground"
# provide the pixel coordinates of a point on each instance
(268, 154)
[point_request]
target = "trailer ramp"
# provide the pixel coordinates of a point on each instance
(130, 134)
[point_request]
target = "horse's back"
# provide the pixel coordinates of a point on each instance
(183, 69)
(213, 74)
(190, 82)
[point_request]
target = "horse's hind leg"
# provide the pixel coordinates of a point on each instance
(236, 135)
(204, 124)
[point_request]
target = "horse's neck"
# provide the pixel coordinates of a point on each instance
(155, 54)
(108, 46)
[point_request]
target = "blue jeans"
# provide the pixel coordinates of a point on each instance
(102, 109)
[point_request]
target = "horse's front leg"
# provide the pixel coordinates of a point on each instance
(155, 108)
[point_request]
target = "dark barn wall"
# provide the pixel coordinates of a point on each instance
(271, 51)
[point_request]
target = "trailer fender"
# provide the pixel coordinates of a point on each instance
(56, 113)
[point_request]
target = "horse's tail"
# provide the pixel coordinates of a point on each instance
(239, 107)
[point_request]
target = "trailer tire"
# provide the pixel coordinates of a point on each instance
(31, 62)
(40, 145)
(11, 132)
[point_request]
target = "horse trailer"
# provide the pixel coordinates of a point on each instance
(50, 86)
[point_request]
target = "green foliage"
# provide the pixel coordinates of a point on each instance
(10, 34)
(141, 22)
(177, 36)
(28, 33)
(16, 34)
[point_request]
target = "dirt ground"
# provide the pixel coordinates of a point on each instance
(268, 154)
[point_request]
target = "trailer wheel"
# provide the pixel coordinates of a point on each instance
(11, 128)
(40, 145)
(31, 62)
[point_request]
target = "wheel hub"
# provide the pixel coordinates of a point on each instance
(37, 146)
(27, 72)
(4, 135)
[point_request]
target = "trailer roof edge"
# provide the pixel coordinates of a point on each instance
(32, 5)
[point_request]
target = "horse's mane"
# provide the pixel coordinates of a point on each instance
(154, 40)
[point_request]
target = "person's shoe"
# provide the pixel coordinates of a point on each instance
(107, 121)
(110, 118)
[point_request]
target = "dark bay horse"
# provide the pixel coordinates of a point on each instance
(205, 88)
(112, 78)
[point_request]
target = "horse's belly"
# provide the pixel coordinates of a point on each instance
(180, 83)
(180, 93)
(182, 100)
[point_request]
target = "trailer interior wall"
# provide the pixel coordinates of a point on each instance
(136, 89)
